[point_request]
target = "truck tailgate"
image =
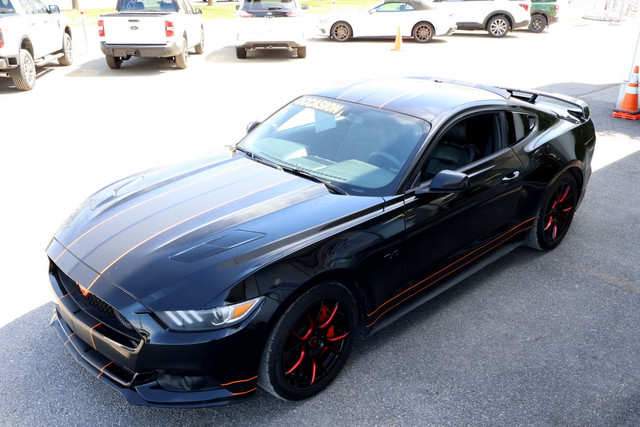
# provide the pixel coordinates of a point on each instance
(136, 28)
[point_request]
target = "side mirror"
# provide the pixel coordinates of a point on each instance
(252, 125)
(237, 7)
(305, 6)
(372, 11)
(54, 9)
(446, 180)
(198, 11)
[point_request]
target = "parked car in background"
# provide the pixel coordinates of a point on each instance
(271, 24)
(417, 20)
(151, 28)
(543, 14)
(31, 35)
(497, 17)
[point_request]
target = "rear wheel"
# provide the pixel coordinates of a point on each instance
(182, 57)
(538, 23)
(241, 53)
(554, 214)
(498, 26)
(113, 62)
(67, 51)
(24, 75)
(341, 31)
(423, 32)
(310, 343)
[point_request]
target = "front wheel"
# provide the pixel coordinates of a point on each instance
(498, 26)
(310, 343)
(555, 214)
(302, 51)
(24, 75)
(423, 32)
(341, 31)
(67, 51)
(538, 23)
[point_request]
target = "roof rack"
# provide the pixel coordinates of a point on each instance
(580, 110)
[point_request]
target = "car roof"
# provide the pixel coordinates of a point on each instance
(422, 97)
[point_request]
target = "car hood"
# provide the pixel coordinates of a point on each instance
(178, 237)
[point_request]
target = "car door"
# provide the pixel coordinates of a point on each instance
(447, 231)
(192, 23)
(45, 30)
(467, 13)
(383, 20)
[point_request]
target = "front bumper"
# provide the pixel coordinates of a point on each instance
(152, 51)
(146, 362)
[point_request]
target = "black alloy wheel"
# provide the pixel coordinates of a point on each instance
(555, 214)
(310, 343)
(538, 23)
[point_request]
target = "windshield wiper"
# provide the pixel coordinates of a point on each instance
(331, 186)
(257, 158)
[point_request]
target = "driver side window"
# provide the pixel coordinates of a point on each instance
(462, 143)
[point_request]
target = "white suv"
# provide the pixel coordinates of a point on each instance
(271, 24)
(497, 17)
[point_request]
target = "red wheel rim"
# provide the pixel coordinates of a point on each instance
(559, 212)
(315, 343)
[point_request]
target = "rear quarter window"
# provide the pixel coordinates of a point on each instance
(520, 126)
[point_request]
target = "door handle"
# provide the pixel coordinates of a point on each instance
(512, 175)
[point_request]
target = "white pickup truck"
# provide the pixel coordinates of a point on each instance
(31, 35)
(151, 28)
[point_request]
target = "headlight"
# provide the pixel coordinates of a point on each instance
(212, 318)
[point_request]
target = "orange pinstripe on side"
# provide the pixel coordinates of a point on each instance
(505, 236)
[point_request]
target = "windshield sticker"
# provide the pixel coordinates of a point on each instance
(321, 105)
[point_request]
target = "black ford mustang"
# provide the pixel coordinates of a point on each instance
(193, 285)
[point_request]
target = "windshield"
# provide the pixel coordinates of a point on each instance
(6, 7)
(362, 150)
(147, 5)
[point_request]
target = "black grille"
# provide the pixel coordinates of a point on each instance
(98, 309)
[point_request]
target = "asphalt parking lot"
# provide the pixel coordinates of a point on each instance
(535, 339)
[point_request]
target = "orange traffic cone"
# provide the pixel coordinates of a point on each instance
(398, 44)
(628, 108)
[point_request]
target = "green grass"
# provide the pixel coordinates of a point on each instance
(226, 10)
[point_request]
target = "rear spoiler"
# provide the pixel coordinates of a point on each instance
(578, 109)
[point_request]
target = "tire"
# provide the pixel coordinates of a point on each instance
(302, 51)
(200, 46)
(498, 26)
(555, 214)
(422, 32)
(538, 23)
(24, 75)
(341, 31)
(310, 343)
(183, 57)
(113, 62)
(67, 51)
(241, 53)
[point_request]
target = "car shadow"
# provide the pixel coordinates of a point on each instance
(134, 67)
(227, 54)
(436, 40)
(7, 86)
